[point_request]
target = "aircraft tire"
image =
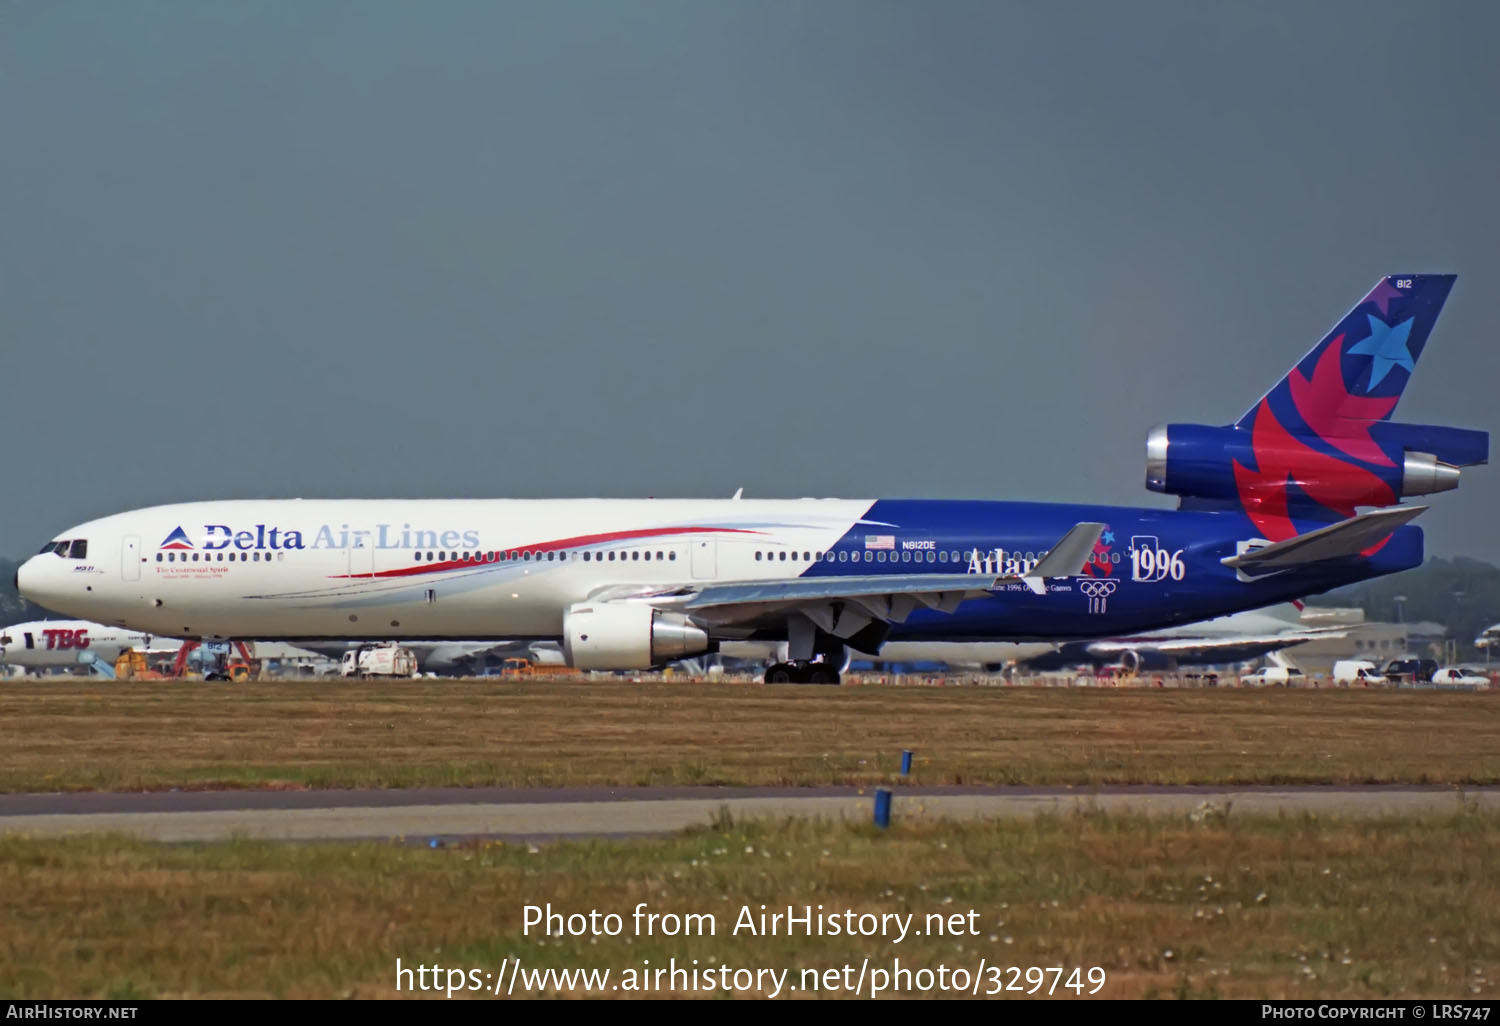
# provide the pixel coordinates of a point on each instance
(781, 673)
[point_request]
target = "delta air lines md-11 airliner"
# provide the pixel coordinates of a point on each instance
(1269, 511)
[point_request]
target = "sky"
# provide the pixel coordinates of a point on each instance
(679, 247)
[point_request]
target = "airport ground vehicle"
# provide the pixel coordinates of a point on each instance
(1411, 671)
(378, 661)
(132, 664)
(518, 667)
(1460, 675)
(1275, 676)
(1356, 671)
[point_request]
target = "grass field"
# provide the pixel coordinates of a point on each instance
(1236, 907)
(72, 734)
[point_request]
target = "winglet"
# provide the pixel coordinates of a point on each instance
(1067, 558)
(1346, 538)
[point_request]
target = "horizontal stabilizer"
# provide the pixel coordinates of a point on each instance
(1345, 538)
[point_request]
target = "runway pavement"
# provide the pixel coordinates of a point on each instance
(551, 813)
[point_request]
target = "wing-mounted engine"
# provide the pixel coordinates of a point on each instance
(628, 636)
(1377, 465)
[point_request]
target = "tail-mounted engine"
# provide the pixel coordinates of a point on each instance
(1377, 465)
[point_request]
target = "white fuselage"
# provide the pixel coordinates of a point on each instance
(474, 569)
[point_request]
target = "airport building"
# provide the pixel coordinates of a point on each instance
(1376, 641)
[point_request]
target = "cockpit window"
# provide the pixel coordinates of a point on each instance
(69, 548)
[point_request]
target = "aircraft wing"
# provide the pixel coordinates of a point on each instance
(1345, 538)
(1208, 646)
(844, 605)
(915, 586)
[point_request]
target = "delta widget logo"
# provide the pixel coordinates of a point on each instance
(178, 540)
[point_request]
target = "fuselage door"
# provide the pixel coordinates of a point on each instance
(361, 555)
(705, 558)
(130, 558)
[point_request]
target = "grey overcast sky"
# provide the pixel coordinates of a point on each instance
(676, 247)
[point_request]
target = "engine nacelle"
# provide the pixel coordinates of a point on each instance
(1422, 473)
(1133, 660)
(628, 636)
(1243, 467)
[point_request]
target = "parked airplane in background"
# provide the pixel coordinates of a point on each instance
(1217, 642)
(55, 644)
(1267, 513)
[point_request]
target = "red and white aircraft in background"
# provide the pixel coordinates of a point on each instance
(62, 644)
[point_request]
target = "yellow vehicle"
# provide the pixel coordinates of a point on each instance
(517, 667)
(132, 665)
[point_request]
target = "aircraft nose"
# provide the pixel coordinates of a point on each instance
(32, 580)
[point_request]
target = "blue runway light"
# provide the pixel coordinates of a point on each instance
(905, 761)
(882, 807)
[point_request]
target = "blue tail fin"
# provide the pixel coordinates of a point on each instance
(1321, 443)
(1356, 374)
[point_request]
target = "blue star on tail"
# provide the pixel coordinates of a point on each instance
(1386, 348)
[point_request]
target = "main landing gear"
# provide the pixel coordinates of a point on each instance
(802, 671)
